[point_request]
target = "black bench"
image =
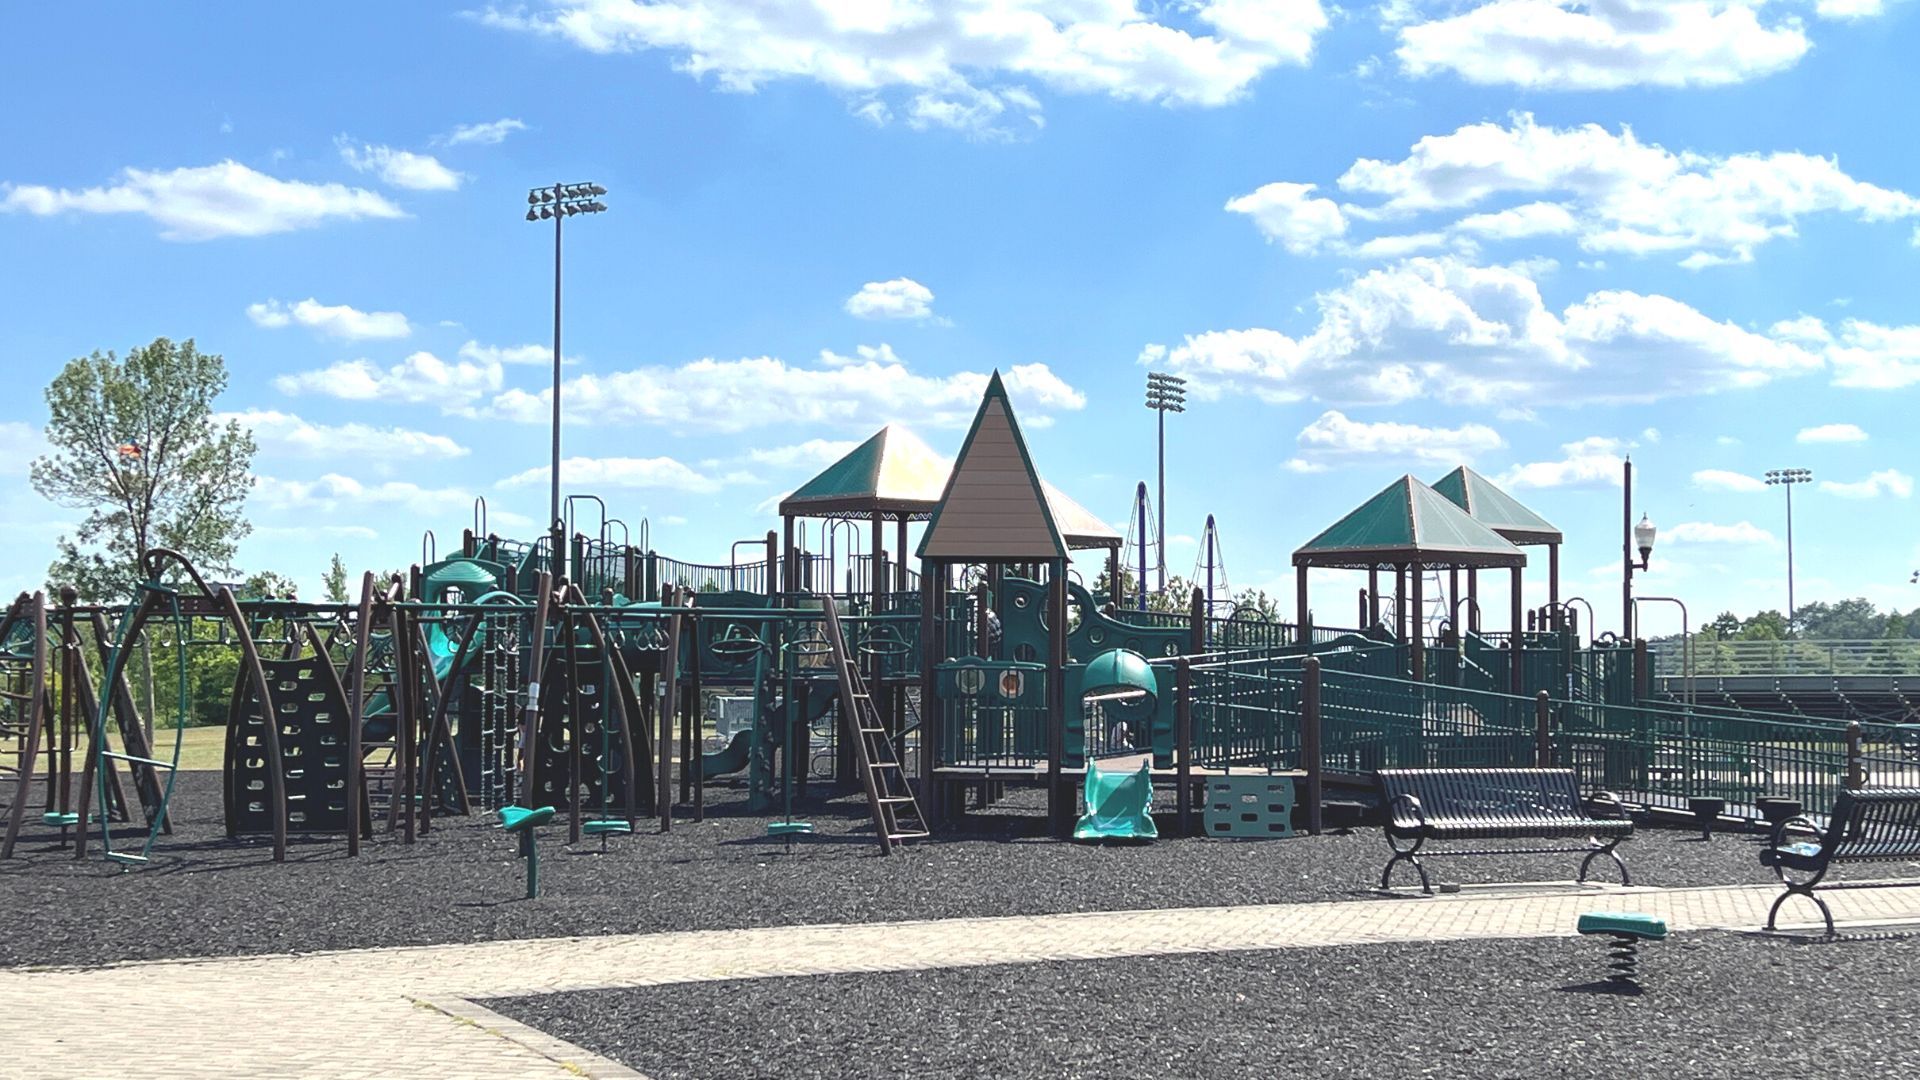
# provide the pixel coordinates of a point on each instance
(1493, 804)
(1866, 825)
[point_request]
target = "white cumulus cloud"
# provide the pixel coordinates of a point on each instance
(1891, 482)
(1334, 439)
(1724, 480)
(1706, 532)
(333, 320)
(898, 298)
(1290, 214)
(401, 168)
(1831, 433)
(1595, 461)
(284, 433)
(420, 379)
(629, 473)
(206, 202)
(489, 133)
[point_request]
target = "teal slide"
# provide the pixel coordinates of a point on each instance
(719, 763)
(1119, 806)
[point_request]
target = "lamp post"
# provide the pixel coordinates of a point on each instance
(560, 202)
(1786, 478)
(1631, 536)
(1165, 394)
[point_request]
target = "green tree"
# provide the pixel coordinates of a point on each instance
(1849, 620)
(267, 585)
(1766, 626)
(335, 583)
(1725, 625)
(135, 445)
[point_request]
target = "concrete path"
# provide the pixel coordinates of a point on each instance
(410, 1012)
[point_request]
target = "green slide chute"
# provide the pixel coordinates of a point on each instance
(1119, 806)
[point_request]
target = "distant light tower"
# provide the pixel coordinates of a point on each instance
(559, 202)
(1165, 394)
(1786, 478)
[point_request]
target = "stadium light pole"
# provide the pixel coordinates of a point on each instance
(1786, 478)
(560, 202)
(1165, 394)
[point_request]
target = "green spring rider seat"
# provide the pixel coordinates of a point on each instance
(523, 820)
(1627, 929)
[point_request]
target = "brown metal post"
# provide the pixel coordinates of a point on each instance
(1059, 807)
(1856, 767)
(773, 568)
(1416, 620)
(1302, 619)
(1310, 746)
(1370, 611)
(1183, 743)
(788, 572)
(1400, 602)
(1553, 576)
(1473, 594)
(1642, 670)
(932, 573)
(1197, 621)
(1517, 644)
(1542, 731)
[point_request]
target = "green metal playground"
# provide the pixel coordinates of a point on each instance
(587, 675)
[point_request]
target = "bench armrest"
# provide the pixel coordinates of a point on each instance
(1779, 837)
(1413, 806)
(1607, 806)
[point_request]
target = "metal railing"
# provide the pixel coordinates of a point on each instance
(1715, 657)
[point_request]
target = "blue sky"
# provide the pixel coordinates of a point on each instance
(1377, 239)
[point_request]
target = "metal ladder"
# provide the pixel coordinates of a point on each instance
(896, 814)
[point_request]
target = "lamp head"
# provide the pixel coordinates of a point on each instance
(1643, 535)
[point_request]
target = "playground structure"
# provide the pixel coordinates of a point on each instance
(513, 675)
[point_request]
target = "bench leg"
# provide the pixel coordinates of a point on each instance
(1607, 850)
(1412, 858)
(1826, 913)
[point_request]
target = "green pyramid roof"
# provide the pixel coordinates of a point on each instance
(994, 507)
(1408, 522)
(892, 473)
(1495, 509)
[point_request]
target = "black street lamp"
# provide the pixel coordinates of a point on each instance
(560, 202)
(1165, 394)
(1632, 536)
(1786, 478)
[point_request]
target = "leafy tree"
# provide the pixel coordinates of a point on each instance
(267, 585)
(1725, 625)
(135, 445)
(1848, 620)
(1767, 626)
(335, 583)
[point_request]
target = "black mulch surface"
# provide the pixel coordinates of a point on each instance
(1713, 1005)
(205, 895)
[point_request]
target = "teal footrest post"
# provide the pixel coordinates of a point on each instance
(523, 820)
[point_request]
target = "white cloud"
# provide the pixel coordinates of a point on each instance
(1292, 215)
(1334, 439)
(1393, 247)
(1885, 482)
(958, 62)
(866, 390)
(1705, 532)
(627, 473)
(420, 379)
(1722, 480)
(1605, 44)
(812, 454)
(1868, 356)
(1620, 194)
(338, 321)
(333, 492)
(285, 433)
(510, 354)
(1594, 461)
(20, 443)
(1831, 433)
(401, 168)
(489, 133)
(1443, 329)
(899, 298)
(207, 202)
(1849, 9)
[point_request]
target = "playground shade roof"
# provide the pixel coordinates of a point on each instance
(1408, 522)
(1495, 509)
(993, 508)
(894, 474)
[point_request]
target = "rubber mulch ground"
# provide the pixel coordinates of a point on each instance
(206, 895)
(1714, 1006)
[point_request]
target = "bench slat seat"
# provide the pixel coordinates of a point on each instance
(1866, 825)
(1492, 804)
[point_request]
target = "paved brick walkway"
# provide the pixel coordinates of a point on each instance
(387, 1012)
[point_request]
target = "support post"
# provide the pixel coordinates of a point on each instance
(1059, 804)
(1416, 619)
(1517, 643)
(1310, 746)
(1197, 622)
(1183, 744)
(1553, 577)
(787, 572)
(1400, 602)
(1303, 621)
(1542, 731)
(1473, 593)
(1370, 612)
(1856, 766)
(932, 712)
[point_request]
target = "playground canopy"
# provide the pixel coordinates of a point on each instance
(895, 476)
(1408, 524)
(1505, 515)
